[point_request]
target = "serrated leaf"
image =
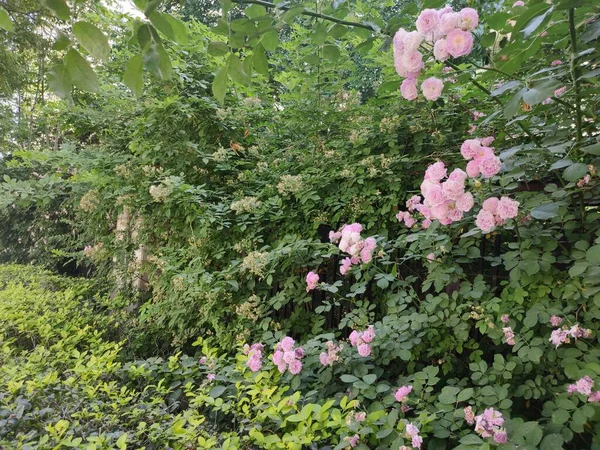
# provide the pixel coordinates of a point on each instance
(58, 7)
(80, 72)
(5, 22)
(133, 77)
(59, 81)
(219, 84)
(92, 39)
(174, 29)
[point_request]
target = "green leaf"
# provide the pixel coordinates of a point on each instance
(62, 41)
(236, 70)
(59, 81)
(534, 23)
(92, 39)
(270, 40)
(217, 48)
(464, 395)
(174, 29)
(217, 391)
(575, 172)
(552, 442)
(448, 395)
(591, 32)
(592, 149)
(255, 11)
(349, 378)
(471, 439)
(219, 85)
(154, 55)
(151, 6)
(260, 61)
(133, 76)
(290, 14)
(370, 379)
(58, 7)
(513, 104)
(337, 31)
(540, 92)
(80, 72)
(560, 416)
(5, 22)
(545, 211)
(593, 254)
(331, 52)
(319, 34)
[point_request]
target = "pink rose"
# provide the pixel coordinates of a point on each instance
(399, 40)
(473, 168)
(458, 175)
(364, 350)
(490, 166)
(469, 19)
(295, 367)
(465, 202)
(490, 205)
(410, 221)
(459, 43)
(432, 88)
(427, 21)
(556, 62)
(402, 393)
(408, 88)
(312, 279)
(434, 195)
(455, 214)
(412, 61)
(287, 344)
(369, 334)
(412, 40)
(560, 91)
(426, 224)
(507, 208)
(486, 141)
(440, 51)
(453, 189)
(431, 257)
(470, 148)
(485, 221)
(448, 22)
(518, 3)
(278, 357)
(436, 171)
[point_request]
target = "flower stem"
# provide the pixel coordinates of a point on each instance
(575, 74)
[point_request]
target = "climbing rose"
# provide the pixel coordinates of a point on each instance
(509, 335)
(436, 171)
(331, 356)
(459, 43)
(432, 88)
(555, 321)
(254, 353)
(412, 61)
(286, 357)
(203, 360)
(469, 19)
(431, 257)
(312, 279)
(505, 318)
(556, 62)
(402, 393)
(560, 91)
(594, 397)
(408, 88)
(558, 337)
(507, 208)
(488, 423)
(485, 221)
(362, 339)
(469, 415)
(353, 441)
(427, 21)
(518, 3)
(440, 50)
(500, 436)
(210, 376)
(490, 166)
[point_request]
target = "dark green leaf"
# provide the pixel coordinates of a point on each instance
(255, 11)
(92, 39)
(217, 48)
(575, 172)
(133, 77)
(348, 378)
(545, 211)
(337, 31)
(592, 149)
(270, 40)
(513, 104)
(172, 28)
(319, 34)
(593, 254)
(80, 72)
(540, 92)
(217, 391)
(591, 32)
(331, 52)
(536, 22)
(62, 41)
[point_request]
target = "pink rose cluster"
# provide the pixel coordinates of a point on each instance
(402, 393)
(331, 355)
(448, 31)
(481, 157)
(496, 211)
(563, 335)
(312, 280)
(254, 353)
(350, 241)
(362, 340)
(286, 357)
(412, 432)
(584, 386)
(443, 200)
(488, 424)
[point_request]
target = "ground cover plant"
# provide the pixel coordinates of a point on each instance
(334, 224)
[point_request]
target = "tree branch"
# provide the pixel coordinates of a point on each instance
(306, 12)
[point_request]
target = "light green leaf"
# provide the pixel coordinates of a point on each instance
(80, 72)
(331, 52)
(217, 48)
(58, 7)
(593, 254)
(289, 15)
(59, 81)
(62, 41)
(154, 55)
(575, 172)
(219, 84)
(92, 39)
(5, 22)
(270, 40)
(236, 70)
(133, 77)
(259, 60)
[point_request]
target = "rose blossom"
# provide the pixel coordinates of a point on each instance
(427, 21)
(518, 3)
(459, 43)
(465, 202)
(436, 171)
(432, 88)
(485, 221)
(440, 51)
(402, 393)
(412, 61)
(490, 166)
(490, 205)
(469, 19)
(507, 208)
(408, 88)
(312, 279)
(556, 62)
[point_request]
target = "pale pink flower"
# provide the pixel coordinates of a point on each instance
(295, 367)
(369, 334)
(500, 436)
(440, 51)
(485, 221)
(490, 166)
(346, 264)
(431, 257)
(411, 430)
(469, 415)
(426, 224)
(416, 441)
(594, 397)
(399, 40)
(287, 344)
(312, 280)
(555, 321)
(465, 202)
(402, 393)
(448, 22)
(408, 88)
(473, 168)
(427, 21)
(412, 61)
(210, 376)
(364, 350)
(487, 141)
(436, 171)
(507, 208)
(412, 40)
(470, 148)
(203, 360)
(505, 318)
(490, 204)
(472, 129)
(558, 337)
(509, 335)
(584, 181)
(335, 236)
(556, 62)
(323, 359)
(409, 221)
(459, 43)
(353, 441)
(412, 202)
(518, 3)
(458, 175)
(354, 338)
(360, 416)
(453, 189)
(447, 69)
(560, 91)
(432, 88)
(469, 19)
